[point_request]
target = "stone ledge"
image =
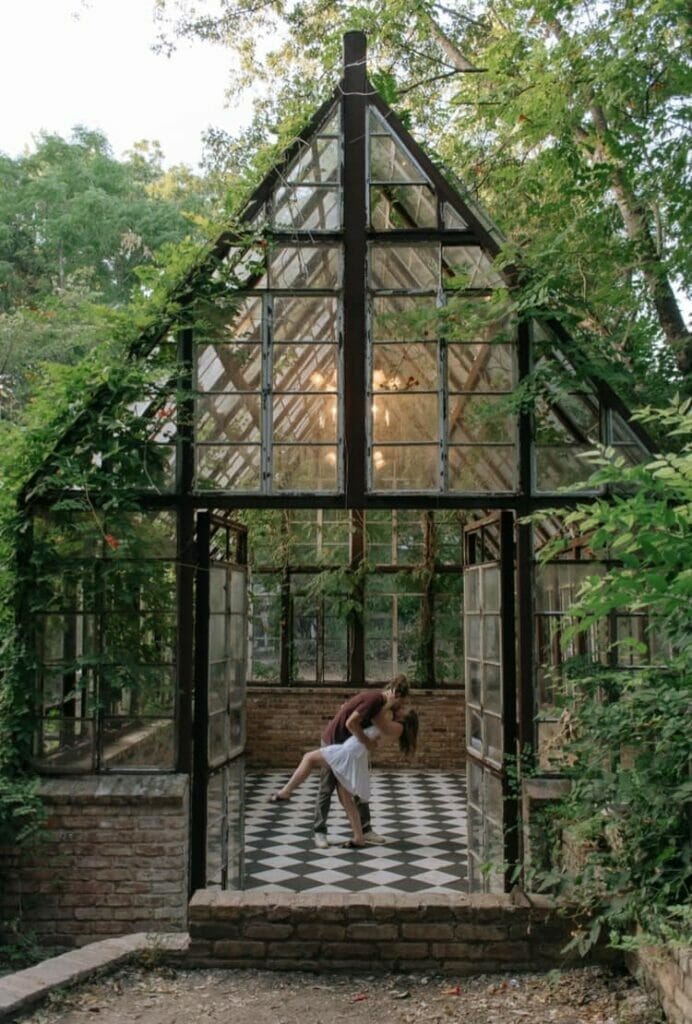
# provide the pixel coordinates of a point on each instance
(151, 789)
(23, 989)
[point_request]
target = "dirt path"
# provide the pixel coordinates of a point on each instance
(169, 996)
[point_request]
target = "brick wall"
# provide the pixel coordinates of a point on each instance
(668, 974)
(115, 860)
(377, 932)
(282, 723)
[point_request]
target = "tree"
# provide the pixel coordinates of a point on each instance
(77, 227)
(566, 120)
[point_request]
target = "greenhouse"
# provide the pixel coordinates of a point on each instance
(334, 471)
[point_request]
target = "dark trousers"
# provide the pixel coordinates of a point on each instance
(324, 800)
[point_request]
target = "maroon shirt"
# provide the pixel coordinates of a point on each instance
(368, 704)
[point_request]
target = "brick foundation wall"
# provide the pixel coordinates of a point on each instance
(377, 932)
(282, 723)
(114, 862)
(668, 974)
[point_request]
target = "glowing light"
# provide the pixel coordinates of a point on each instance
(378, 459)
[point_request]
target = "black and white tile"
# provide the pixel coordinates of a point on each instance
(422, 815)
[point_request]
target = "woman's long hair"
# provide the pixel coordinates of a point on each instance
(409, 735)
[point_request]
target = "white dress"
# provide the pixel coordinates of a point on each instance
(349, 762)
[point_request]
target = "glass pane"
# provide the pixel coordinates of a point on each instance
(452, 218)
(302, 468)
(304, 318)
(448, 532)
(304, 208)
(472, 590)
(306, 634)
(473, 694)
(397, 418)
(246, 324)
(318, 161)
(149, 585)
(569, 419)
(493, 738)
(379, 630)
(236, 638)
(137, 743)
(402, 206)
(226, 467)
(467, 266)
(473, 636)
(407, 367)
(218, 686)
(305, 418)
(479, 469)
(157, 462)
(404, 318)
(560, 466)
(409, 537)
(492, 697)
(404, 267)
(410, 468)
(335, 649)
(379, 537)
(480, 367)
(491, 637)
(219, 736)
(226, 418)
(473, 731)
(449, 648)
(265, 603)
(478, 319)
(304, 368)
(245, 267)
(231, 367)
(389, 160)
(480, 418)
(218, 637)
(130, 689)
(238, 729)
(65, 744)
(307, 266)
(144, 637)
(217, 589)
(491, 588)
(238, 583)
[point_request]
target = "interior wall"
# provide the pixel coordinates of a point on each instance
(284, 722)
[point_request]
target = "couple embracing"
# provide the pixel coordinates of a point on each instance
(343, 757)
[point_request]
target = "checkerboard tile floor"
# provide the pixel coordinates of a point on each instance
(422, 814)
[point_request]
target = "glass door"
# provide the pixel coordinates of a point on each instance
(219, 719)
(490, 700)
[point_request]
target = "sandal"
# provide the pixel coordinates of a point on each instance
(276, 798)
(351, 845)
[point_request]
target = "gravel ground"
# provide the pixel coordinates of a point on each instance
(162, 995)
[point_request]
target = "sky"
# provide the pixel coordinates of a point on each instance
(68, 62)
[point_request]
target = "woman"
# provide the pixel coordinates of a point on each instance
(349, 763)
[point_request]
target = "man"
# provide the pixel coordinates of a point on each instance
(352, 718)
